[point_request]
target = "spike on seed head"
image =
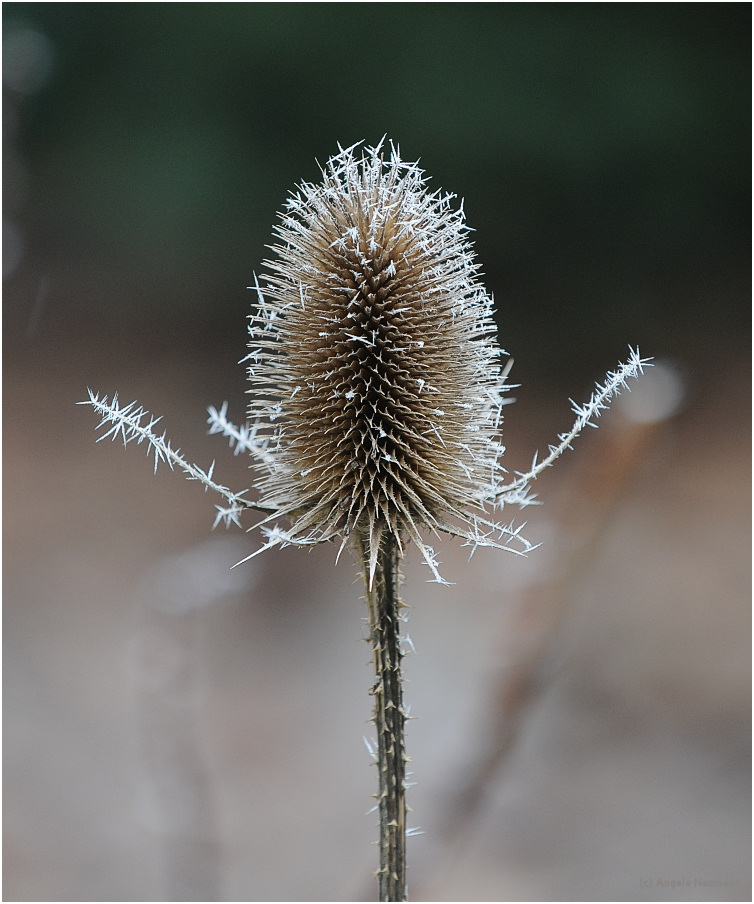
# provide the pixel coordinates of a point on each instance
(375, 374)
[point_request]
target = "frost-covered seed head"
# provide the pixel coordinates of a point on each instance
(374, 363)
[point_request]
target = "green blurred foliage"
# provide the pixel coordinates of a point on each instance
(603, 151)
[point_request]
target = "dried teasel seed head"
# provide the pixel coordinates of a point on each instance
(374, 365)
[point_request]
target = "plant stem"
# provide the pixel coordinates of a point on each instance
(389, 718)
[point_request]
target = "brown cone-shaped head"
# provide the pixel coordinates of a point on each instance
(374, 363)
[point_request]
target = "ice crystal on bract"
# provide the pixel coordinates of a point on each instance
(376, 375)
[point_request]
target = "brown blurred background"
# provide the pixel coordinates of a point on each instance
(175, 730)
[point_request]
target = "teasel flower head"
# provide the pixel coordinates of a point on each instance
(376, 378)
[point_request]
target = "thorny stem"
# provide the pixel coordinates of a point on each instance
(389, 718)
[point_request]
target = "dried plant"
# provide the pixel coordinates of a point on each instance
(377, 391)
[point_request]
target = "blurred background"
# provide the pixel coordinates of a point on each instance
(178, 731)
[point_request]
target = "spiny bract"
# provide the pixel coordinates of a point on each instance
(376, 382)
